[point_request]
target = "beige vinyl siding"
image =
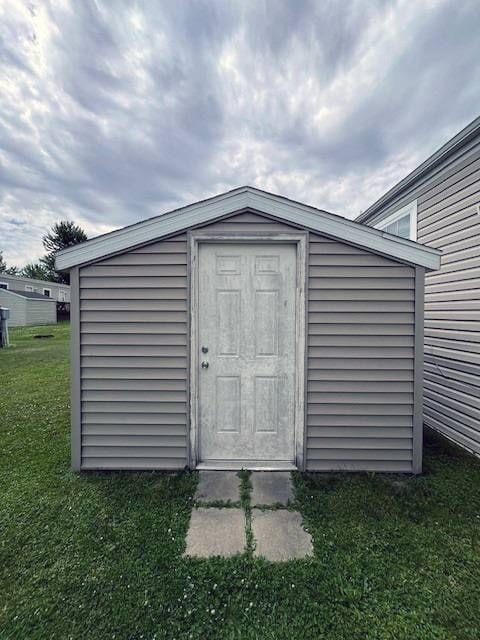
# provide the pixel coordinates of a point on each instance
(360, 360)
(447, 219)
(133, 347)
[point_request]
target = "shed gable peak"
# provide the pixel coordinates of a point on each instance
(241, 199)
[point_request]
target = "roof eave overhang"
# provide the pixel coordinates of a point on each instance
(248, 198)
(454, 145)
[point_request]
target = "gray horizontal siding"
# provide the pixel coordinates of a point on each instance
(131, 462)
(447, 219)
(134, 344)
(360, 360)
(28, 311)
(399, 466)
(40, 312)
(17, 306)
(133, 350)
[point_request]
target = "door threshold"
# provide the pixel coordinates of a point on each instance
(250, 465)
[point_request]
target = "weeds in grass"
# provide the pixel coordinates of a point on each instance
(219, 504)
(246, 503)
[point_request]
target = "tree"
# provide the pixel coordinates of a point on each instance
(35, 270)
(62, 235)
(11, 271)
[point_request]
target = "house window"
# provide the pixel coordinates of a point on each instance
(28, 287)
(47, 292)
(61, 295)
(402, 223)
(3, 285)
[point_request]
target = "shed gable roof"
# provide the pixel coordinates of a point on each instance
(261, 201)
(28, 295)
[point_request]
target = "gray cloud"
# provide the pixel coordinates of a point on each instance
(115, 111)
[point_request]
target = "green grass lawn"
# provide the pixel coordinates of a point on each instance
(100, 556)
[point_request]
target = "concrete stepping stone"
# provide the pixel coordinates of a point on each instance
(216, 532)
(218, 485)
(271, 487)
(279, 535)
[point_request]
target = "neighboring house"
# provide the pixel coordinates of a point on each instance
(247, 330)
(59, 292)
(28, 308)
(438, 204)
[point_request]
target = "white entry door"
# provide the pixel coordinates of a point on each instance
(246, 355)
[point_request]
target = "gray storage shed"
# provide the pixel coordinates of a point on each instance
(28, 308)
(247, 330)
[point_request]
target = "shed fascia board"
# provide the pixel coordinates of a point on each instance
(151, 229)
(263, 202)
(449, 148)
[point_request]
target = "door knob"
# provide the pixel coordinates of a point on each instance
(204, 364)
(204, 349)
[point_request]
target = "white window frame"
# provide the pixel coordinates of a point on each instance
(29, 288)
(5, 283)
(49, 291)
(411, 210)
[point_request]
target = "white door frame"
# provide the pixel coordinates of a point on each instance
(300, 240)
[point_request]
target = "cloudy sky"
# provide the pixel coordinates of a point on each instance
(113, 111)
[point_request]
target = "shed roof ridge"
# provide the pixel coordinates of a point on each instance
(203, 202)
(225, 204)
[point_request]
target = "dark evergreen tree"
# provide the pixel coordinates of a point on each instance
(62, 235)
(35, 270)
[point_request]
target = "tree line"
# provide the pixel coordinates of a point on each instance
(63, 234)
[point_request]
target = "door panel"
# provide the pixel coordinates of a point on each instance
(228, 329)
(266, 404)
(246, 321)
(228, 404)
(266, 325)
